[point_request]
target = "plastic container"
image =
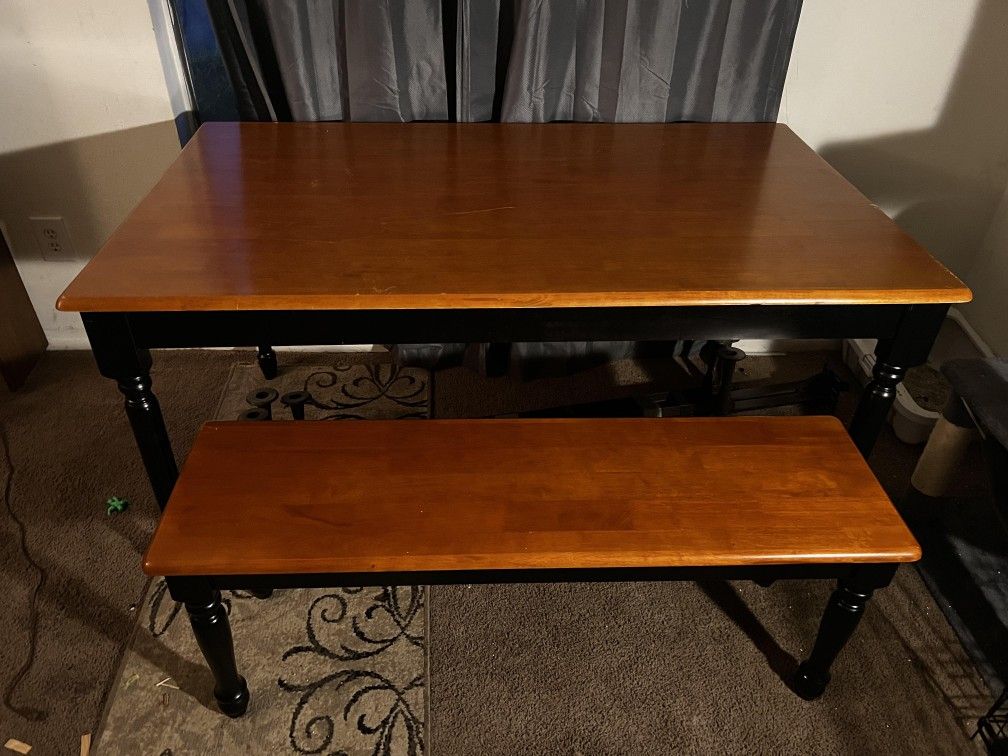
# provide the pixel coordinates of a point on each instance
(912, 423)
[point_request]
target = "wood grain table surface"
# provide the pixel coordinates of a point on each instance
(266, 216)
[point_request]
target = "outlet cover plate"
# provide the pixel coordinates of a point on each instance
(53, 238)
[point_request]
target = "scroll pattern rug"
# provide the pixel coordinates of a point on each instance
(331, 671)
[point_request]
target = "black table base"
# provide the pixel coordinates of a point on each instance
(121, 343)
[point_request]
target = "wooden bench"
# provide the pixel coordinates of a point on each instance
(281, 504)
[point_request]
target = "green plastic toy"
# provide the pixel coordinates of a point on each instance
(115, 504)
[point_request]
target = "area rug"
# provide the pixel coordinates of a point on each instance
(331, 670)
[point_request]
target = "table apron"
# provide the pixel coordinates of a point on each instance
(332, 327)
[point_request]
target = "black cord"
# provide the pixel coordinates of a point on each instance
(29, 713)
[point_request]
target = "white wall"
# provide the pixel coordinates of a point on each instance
(989, 279)
(907, 98)
(87, 128)
(75, 69)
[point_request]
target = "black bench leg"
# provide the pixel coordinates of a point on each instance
(267, 362)
(843, 613)
(210, 625)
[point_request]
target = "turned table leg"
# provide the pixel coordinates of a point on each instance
(843, 613)
(908, 348)
(210, 625)
(267, 362)
(119, 358)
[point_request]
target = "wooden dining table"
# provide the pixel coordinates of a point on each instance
(348, 233)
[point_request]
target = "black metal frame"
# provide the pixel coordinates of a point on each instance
(992, 727)
(843, 612)
(121, 343)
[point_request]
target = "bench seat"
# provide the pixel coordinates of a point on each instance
(518, 494)
(261, 505)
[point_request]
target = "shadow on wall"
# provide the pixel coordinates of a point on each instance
(943, 184)
(92, 182)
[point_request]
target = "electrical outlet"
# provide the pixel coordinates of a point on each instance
(53, 238)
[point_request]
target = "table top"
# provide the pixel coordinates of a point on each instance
(264, 216)
(290, 497)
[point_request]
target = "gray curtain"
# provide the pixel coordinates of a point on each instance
(358, 59)
(508, 60)
(524, 60)
(627, 61)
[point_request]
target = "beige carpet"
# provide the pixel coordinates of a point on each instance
(609, 668)
(660, 668)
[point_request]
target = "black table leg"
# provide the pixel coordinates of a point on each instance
(267, 362)
(843, 613)
(210, 625)
(909, 347)
(119, 358)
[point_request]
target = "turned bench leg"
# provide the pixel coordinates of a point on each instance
(210, 625)
(843, 613)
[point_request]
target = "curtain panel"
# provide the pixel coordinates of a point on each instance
(512, 61)
(507, 60)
